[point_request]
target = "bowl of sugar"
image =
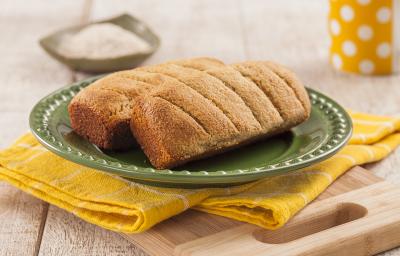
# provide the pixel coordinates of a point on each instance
(118, 43)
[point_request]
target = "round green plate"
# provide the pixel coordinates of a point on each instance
(327, 130)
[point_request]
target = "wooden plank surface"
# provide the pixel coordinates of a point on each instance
(186, 28)
(21, 221)
(192, 225)
(70, 235)
(65, 234)
(358, 223)
(27, 74)
(292, 32)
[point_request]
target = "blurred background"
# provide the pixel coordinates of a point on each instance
(292, 32)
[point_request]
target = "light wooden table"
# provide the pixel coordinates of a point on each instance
(292, 32)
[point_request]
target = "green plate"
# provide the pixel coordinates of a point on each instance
(51, 42)
(327, 130)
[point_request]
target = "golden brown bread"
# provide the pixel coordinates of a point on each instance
(102, 111)
(211, 108)
(188, 109)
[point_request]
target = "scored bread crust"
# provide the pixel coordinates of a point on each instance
(185, 110)
(215, 109)
(101, 112)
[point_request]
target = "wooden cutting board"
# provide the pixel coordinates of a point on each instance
(359, 214)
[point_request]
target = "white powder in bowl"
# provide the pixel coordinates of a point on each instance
(102, 41)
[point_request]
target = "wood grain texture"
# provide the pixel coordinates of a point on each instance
(197, 233)
(300, 40)
(291, 32)
(186, 28)
(360, 222)
(27, 74)
(21, 221)
(65, 234)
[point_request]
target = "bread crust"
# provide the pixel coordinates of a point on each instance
(102, 111)
(95, 121)
(259, 99)
(166, 135)
(293, 81)
(185, 110)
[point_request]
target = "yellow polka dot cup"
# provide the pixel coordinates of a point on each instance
(363, 34)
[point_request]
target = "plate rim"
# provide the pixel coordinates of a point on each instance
(182, 176)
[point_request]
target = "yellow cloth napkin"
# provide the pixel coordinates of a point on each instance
(120, 205)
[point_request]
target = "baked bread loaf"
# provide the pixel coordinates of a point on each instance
(204, 108)
(102, 111)
(184, 110)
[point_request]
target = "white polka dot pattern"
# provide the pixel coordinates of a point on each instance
(365, 32)
(337, 61)
(361, 36)
(366, 66)
(383, 15)
(383, 50)
(349, 48)
(347, 13)
(335, 27)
